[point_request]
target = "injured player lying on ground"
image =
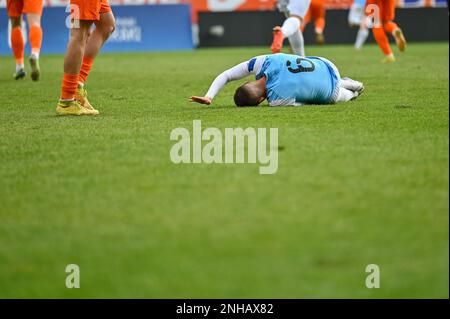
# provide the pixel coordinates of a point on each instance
(285, 79)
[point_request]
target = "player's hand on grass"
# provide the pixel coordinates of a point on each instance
(201, 99)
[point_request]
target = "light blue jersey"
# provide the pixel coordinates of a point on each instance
(360, 3)
(291, 80)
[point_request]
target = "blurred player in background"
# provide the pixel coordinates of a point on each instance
(33, 9)
(317, 12)
(357, 18)
(286, 79)
(295, 11)
(82, 49)
(383, 12)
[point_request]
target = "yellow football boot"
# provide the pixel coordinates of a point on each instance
(320, 39)
(399, 39)
(81, 97)
(72, 108)
(390, 58)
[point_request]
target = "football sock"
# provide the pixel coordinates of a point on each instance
(19, 67)
(86, 67)
(382, 40)
(297, 43)
(69, 86)
(290, 26)
(35, 37)
(18, 45)
(361, 37)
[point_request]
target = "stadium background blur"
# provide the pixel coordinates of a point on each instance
(166, 24)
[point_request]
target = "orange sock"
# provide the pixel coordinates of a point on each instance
(35, 38)
(382, 40)
(86, 67)
(390, 26)
(69, 86)
(17, 44)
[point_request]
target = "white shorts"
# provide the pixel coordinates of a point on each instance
(356, 15)
(294, 7)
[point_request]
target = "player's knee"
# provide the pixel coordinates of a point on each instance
(109, 29)
(16, 22)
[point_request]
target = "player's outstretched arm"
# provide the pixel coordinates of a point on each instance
(237, 72)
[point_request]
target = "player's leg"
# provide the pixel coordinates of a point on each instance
(319, 21)
(352, 85)
(362, 35)
(14, 9)
(378, 30)
(33, 10)
(18, 47)
(391, 27)
(347, 89)
(103, 30)
(357, 18)
(72, 64)
(35, 37)
(291, 28)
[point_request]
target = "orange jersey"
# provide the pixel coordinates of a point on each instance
(18, 7)
(89, 9)
(386, 8)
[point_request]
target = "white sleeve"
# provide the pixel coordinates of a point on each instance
(240, 71)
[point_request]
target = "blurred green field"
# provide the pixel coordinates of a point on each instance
(358, 183)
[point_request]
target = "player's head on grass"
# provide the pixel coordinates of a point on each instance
(250, 94)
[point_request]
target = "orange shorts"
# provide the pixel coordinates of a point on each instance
(316, 9)
(18, 7)
(386, 8)
(89, 9)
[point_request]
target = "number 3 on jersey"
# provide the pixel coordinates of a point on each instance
(310, 67)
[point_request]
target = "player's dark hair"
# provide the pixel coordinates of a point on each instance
(246, 95)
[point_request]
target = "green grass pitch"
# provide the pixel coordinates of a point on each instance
(358, 183)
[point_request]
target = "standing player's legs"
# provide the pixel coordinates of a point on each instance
(291, 28)
(357, 18)
(35, 37)
(391, 27)
(18, 46)
(33, 10)
(72, 65)
(14, 9)
(386, 11)
(362, 35)
(319, 21)
(103, 30)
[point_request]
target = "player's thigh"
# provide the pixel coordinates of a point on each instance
(33, 7)
(298, 7)
(388, 12)
(14, 8)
